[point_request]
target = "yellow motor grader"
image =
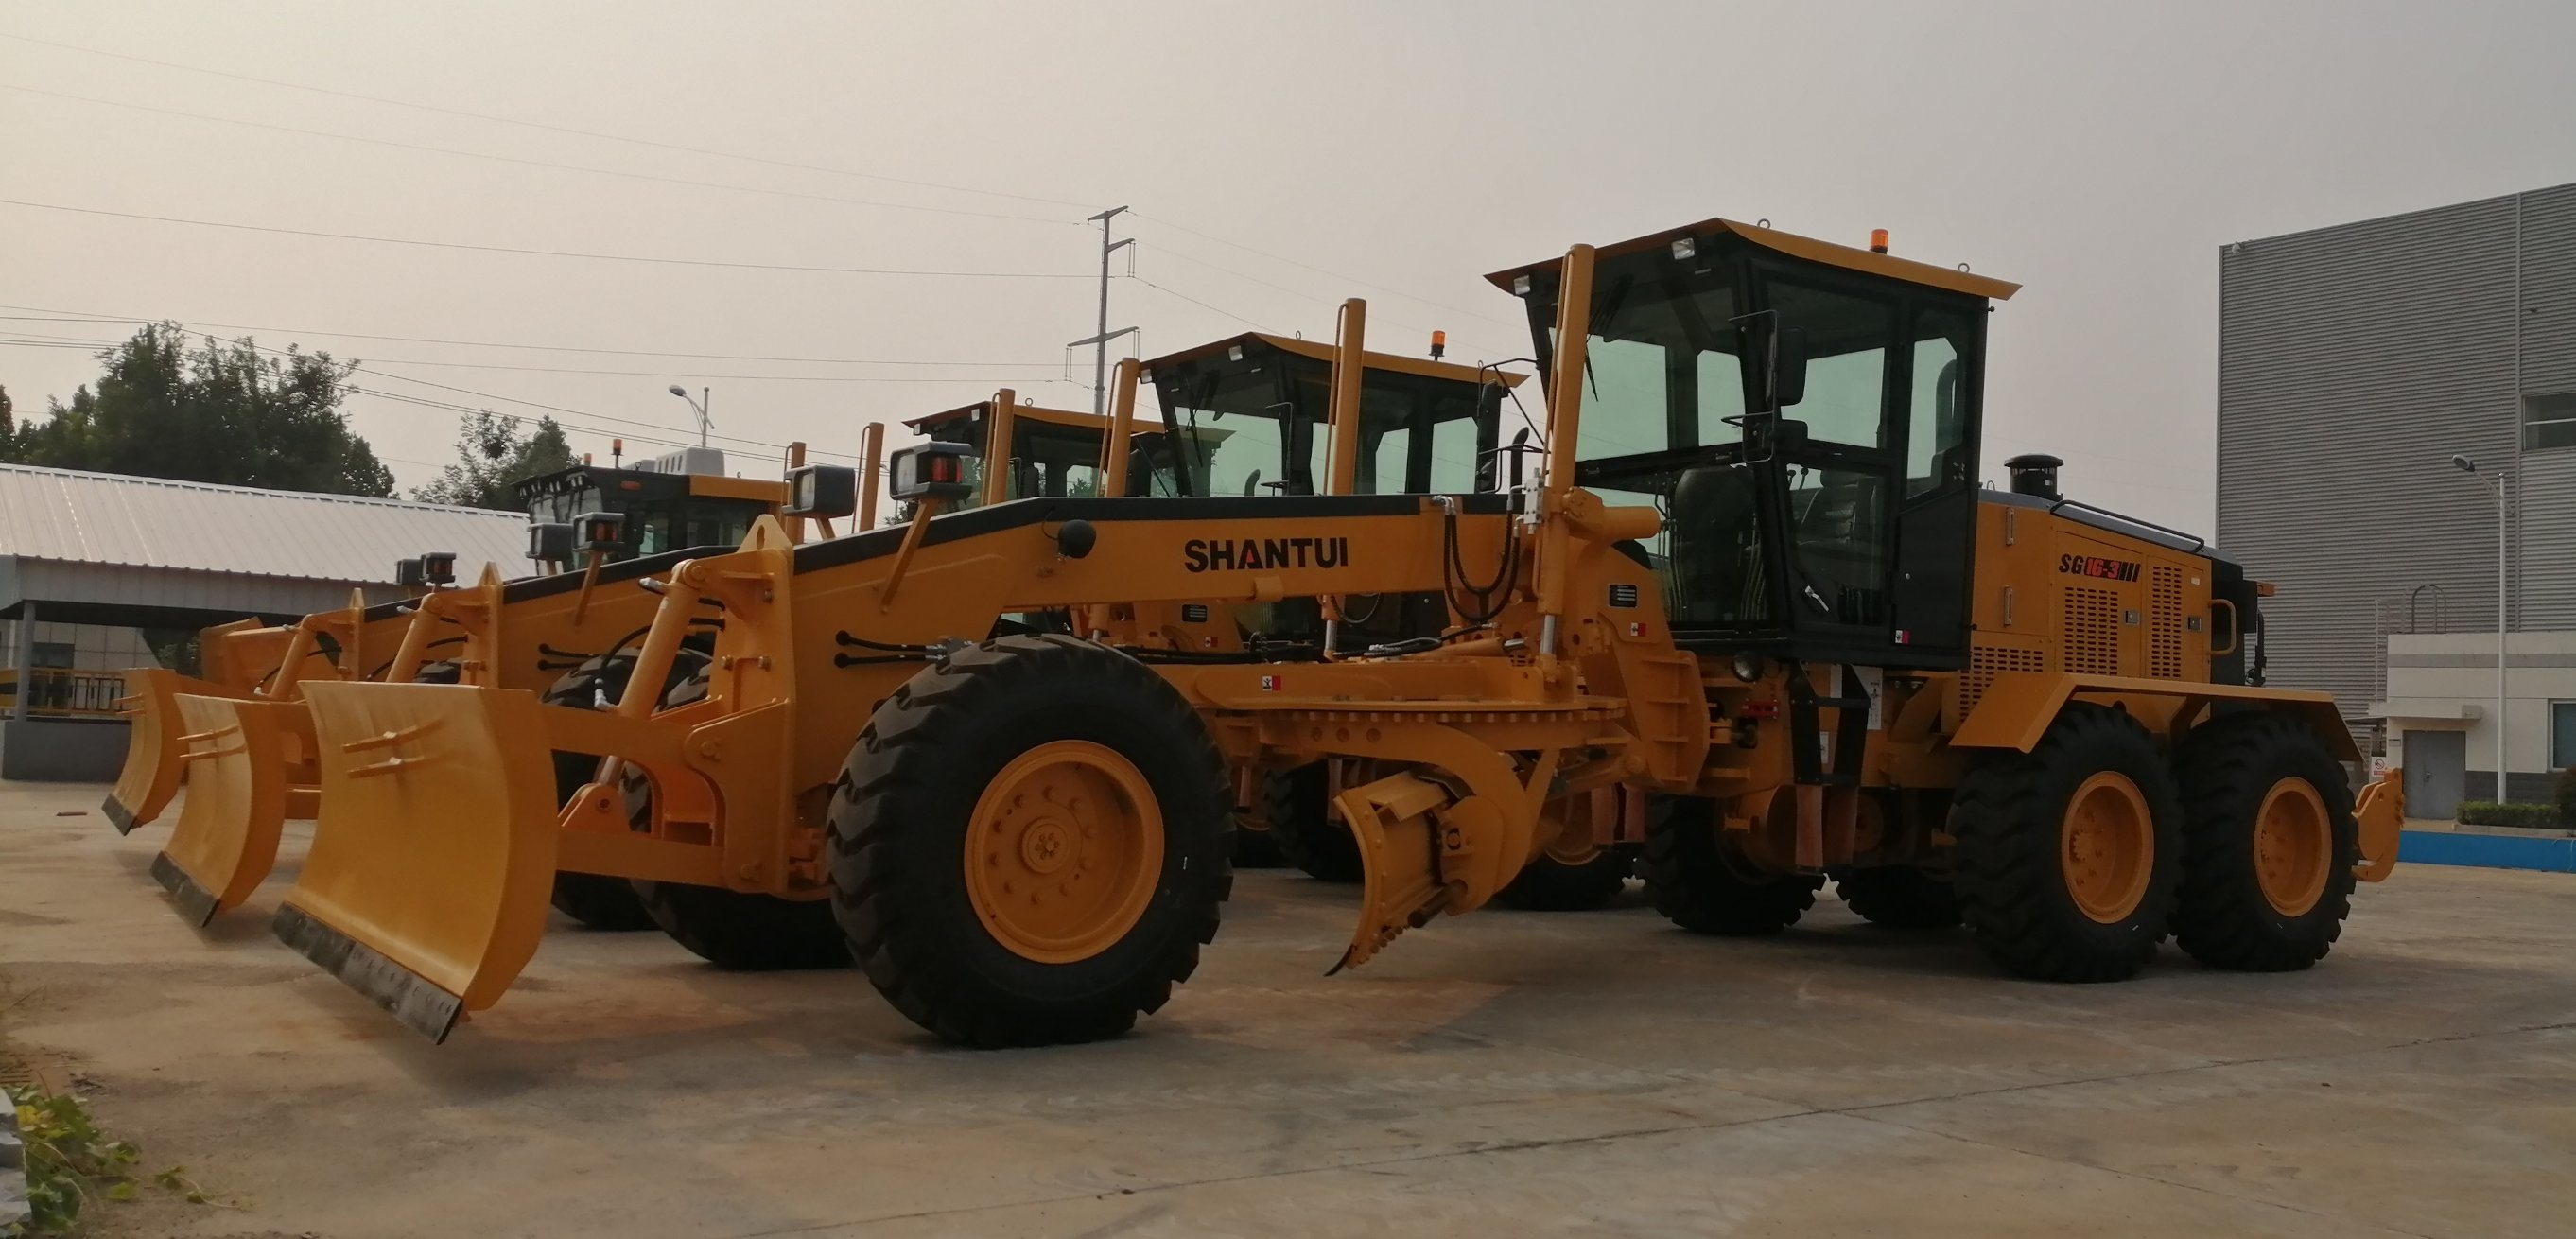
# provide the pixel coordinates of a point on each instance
(1753, 587)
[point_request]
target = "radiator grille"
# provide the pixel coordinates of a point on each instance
(1984, 662)
(2091, 631)
(2164, 623)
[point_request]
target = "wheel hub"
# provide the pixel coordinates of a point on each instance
(1063, 851)
(2107, 847)
(2293, 847)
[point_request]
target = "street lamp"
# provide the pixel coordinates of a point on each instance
(706, 396)
(2495, 482)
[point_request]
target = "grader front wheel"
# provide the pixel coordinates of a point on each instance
(2068, 855)
(1030, 842)
(1297, 807)
(1898, 897)
(2269, 845)
(1703, 883)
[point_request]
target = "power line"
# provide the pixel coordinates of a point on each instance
(361, 368)
(537, 163)
(530, 124)
(507, 249)
(1324, 271)
(664, 372)
(81, 316)
(1302, 296)
(660, 145)
(1196, 302)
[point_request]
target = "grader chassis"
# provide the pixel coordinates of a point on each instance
(1026, 841)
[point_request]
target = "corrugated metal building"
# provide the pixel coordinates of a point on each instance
(2354, 362)
(93, 566)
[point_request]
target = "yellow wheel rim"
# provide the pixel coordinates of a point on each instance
(1064, 851)
(2293, 846)
(2107, 847)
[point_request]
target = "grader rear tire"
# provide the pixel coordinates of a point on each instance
(1030, 842)
(739, 931)
(597, 901)
(1296, 806)
(1700, 883)
(1547, 884)
(2068, 855)
(1898, 897)
(1254, 848)
(745, 932)
(2269, 843)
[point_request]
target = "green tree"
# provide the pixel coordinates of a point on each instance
(493, 455)
(222, 412)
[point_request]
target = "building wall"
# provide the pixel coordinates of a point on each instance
(2432, 679)
(93, 647)
(2354, 361)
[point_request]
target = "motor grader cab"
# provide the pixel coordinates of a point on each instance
(1054, 452)
(1249, 416)
(241, 738)
(680, 499)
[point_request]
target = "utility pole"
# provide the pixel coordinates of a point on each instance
(1100, 341)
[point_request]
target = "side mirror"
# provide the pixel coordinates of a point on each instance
(1788, 366)
(1252, 483)
(822, 491)
(1520, 449)
(1775, 361)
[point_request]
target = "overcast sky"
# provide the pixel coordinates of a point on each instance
(1278, 158)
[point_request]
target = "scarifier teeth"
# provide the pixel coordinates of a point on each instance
(1364, 947)
(419, 1004)
(118, 815)
(195, 904)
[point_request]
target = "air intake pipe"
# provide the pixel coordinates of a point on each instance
(2035, 474)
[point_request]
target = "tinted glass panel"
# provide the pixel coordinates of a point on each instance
(1936, 439)
(1846, 340)
(1660, 368)
(1838, 544)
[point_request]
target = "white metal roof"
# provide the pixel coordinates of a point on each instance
(68, 516)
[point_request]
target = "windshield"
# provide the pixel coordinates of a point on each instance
(1235, 417)
(660, 514)
(1048, 459)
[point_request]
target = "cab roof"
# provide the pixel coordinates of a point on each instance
(1024, 412)
(1324, 352)
(1868, 262)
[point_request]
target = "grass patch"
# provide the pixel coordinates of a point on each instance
(73, 1165)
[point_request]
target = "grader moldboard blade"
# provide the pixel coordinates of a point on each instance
(225, 841)
(433, 856)
(153, 764)
(1400, 887)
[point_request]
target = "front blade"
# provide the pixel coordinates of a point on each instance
(1399, 859)
(225, 840)
(433, 854)
(152, 751)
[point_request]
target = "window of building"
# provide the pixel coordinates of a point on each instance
(2562, 734)
(2549, 421)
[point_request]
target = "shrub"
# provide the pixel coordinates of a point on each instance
(2528, 816)
(2567, 794)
